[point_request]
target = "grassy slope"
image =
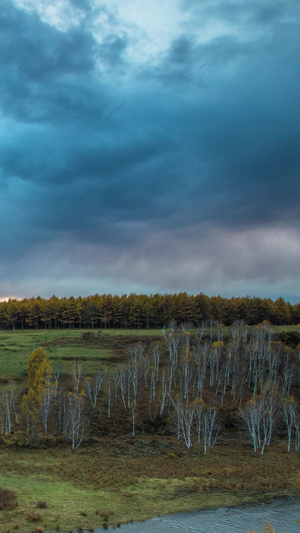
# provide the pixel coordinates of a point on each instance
(81, 488)
(63, 346)
(125, 478)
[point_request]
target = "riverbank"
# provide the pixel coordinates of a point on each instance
(122, 480)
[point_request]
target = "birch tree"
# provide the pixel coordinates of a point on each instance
(289, 410)
(8, 410)
(210, 427)
(259, 415)
(93, 388)
(77, 372)
(76, 421)
(46, 399)
(185, 417)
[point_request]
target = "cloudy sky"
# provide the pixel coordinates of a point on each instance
(150, 146)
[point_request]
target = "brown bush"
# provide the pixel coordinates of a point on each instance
(8, 500)
(41, 505)
(33, 517)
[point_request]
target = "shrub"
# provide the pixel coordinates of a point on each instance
(33, 517)
(41, 505)
(8, 500)
(87, 335)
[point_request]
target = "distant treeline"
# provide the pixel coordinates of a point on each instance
(142, 312)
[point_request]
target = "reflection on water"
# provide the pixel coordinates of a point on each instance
(282, 514)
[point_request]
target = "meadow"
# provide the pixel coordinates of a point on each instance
(117, 481)
(115, 477)
(98, 349)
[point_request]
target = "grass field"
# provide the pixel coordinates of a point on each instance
(115, 479)
(99, 351)
(111, 483)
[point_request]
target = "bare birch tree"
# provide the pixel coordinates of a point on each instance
(76, 421)
(289, 410)
(77, 371)
(93, 388)
(211, 426)
(184, 419)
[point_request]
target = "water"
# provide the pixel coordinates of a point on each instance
(282, 514)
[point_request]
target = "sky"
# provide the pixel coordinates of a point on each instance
(150, 146)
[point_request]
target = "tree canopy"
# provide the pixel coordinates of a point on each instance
(142, 311)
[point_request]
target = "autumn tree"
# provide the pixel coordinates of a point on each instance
(31, 410)
(38, 369)
(37, 401)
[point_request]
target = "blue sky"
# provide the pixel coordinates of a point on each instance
(150, 147)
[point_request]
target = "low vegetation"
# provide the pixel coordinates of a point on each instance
(182, 419)
(8, 500)
(126, 480)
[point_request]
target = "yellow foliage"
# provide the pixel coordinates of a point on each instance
(38, 369)
(217, 344)
(30, 404)
(43, 374)
(268, 529)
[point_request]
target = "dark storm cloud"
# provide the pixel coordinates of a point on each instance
(98, 151)
(112, 49)
(48, 74)
(243, 133)
(189, 62)
(268, 14)
(34, 51)
(82, 4)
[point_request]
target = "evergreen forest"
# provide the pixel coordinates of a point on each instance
(139, 311)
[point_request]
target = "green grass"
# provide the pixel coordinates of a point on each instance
(124, 478)
(85, 487)
(103, 350)
(133, 332)
(68, 505)
(63, 346)
(93, 358)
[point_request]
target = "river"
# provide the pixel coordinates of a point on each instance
(282, 514)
